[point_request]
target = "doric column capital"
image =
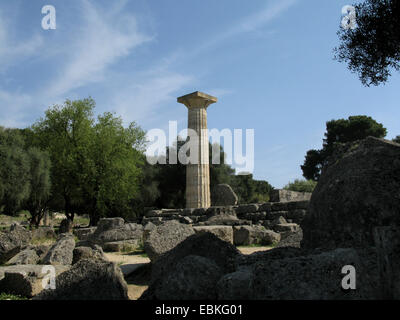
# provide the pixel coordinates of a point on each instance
(197, 100)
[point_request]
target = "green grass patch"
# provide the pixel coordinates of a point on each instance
(6, 296)
(45, 241)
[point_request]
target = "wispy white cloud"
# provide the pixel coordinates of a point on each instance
(108, 34)
(105, 35)
(143, 98)
(13, 51)
(251, 23)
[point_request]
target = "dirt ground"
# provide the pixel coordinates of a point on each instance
(132, 261)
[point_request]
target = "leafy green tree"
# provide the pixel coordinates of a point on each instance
(171, 179)
(66, 133)
(219, 172)
(14, 171)
(40, 185)
(244, 187)
(262, 191)
(112, 172)
(372, 49)
(95, 164)
(313, 164)
(301, 185)
(149, 191)
(397, 139)
(339, 132)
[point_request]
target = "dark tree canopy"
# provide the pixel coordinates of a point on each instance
(95, 162)
(14, 171)
(372, 49)
(397, 139)
(24, 176)
(339, 132)
(166, 183)
(301, 185)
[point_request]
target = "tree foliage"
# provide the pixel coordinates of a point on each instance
(24, 176)
(14, 171)
(301, 185)
(339, 132)
(40, 185)
(372, 49)
(170, 180)
(95, 164)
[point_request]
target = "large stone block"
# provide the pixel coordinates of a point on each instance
(311, 277)
(357, 191)
(109, 224)
(165, 237)
(387, 240)
(122, 246)
(26, 280)
(84, 233)
(280, 195)
(27, 256)
(248, 235)
(13, 241)
(192, 278)
(205, 245)
(225, 233)
(88, 280)
(61, 253)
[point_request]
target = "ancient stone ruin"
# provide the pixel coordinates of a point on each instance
(352, 220)
(198, 174)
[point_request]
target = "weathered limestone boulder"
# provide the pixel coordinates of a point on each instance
(147, 229)
(223, 195)
(166, 237)
(66, 226)
(286, 227)
(235, 286)
(248, 235)
(81, 253)
(292, 240)
(61, 253)
(222, 220)
(387, 240)
(193, 278)
(292, 274)
(88, 280)
(109, 224)
(26, 280)
(13, 241)
(118, 234)
(84, 233)
(205, 245)
(27, 256)
(123, 246)
(278, 220)
(247, 208)
(311, 277)
(357, 192)
(281, 195)
(225, 233)
(112, 234)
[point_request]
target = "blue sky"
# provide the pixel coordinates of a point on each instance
(269, 62)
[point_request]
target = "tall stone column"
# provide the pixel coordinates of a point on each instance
(198, 175)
